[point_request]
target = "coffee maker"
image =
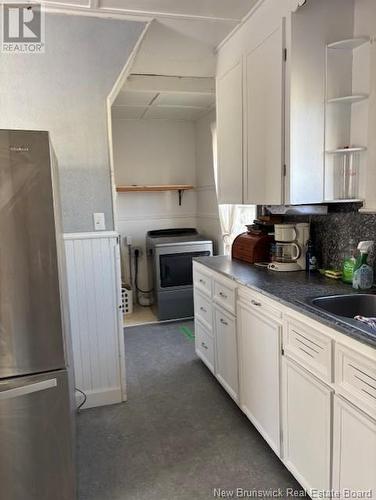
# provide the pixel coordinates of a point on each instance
(290, 247)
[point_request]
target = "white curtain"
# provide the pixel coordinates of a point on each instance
(227, 217)
(233, 220)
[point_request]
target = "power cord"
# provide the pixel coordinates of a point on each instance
(84, 400)
(139, 290)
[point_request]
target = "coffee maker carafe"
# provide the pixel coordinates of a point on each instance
(290, 247)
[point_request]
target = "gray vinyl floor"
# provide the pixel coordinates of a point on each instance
(179, 436)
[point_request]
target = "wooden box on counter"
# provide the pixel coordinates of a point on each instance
(251, 247)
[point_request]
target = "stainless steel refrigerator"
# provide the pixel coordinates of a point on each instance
(36, 382)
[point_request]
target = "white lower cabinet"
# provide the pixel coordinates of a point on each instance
(204, 343)
(306, 426)
(313, 401)
(226, 352)
(354, 451)
(259, 340)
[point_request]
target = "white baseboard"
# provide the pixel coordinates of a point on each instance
(102, 397)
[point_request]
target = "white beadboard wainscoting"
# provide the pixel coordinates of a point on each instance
(93, 275)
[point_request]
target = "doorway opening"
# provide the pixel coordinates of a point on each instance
(166, 205)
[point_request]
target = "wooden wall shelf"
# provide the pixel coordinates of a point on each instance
(180, 188)
(163, 187)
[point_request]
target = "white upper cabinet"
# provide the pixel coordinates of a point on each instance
(264, 117)
(230, 135)
(279, 157)
(312, 28)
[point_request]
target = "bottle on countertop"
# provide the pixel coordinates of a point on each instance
(363, 272)
(349, 262)
(311, 259)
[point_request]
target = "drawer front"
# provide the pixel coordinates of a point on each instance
(203, 309)
(355, 378)
(310, 348)
(256, 301)
(202, 282)
(204, 342)
(224, 295)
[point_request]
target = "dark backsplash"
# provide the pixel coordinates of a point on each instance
(331, 233)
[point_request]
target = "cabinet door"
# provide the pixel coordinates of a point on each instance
(264, 121)
(230, 136)
(306, 426)
(226, 352)
(204, 343)
(259, 352)
(354, 450)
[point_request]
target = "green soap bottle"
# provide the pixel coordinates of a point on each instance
(349, 263)
(363, 272)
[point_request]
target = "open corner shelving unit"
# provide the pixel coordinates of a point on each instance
(344, 117)
(349, 43)
(179, 188)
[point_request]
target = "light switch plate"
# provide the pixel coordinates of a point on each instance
(99, 221)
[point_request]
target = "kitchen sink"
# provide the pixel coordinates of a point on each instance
(348, 306)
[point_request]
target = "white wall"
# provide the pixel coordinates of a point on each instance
(153, 152)
(207, 205)
(64, 91)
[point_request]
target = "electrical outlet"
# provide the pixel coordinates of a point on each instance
(140, 251)
(99, 221)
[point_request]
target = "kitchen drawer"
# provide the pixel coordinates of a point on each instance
(355, 378)
(257, 301)
(204, 342)
(203, 309)
(309, 347)
(202, 282)
(224, 295)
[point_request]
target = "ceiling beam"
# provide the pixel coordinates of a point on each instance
(94, 9)
(158, 83)
(76, 10)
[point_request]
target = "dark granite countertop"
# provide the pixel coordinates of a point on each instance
(294, 290)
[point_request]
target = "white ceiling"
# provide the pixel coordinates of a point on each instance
(181, 47)
(145, 97)
(183, 35)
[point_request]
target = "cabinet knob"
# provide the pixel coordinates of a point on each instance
(203, 309)
(223, 322)
(204, 345)
(255, 303)
(202, 281)
(221, 294)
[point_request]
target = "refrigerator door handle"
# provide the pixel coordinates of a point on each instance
(28, 389)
